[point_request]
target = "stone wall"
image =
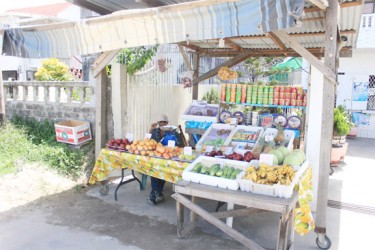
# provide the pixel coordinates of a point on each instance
(55, 101)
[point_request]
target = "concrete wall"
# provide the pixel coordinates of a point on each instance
(356, 68)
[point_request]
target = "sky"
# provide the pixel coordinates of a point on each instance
(17, 4)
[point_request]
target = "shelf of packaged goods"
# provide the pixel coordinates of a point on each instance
(265, 105)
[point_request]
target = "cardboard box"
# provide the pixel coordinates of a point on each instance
(73, 131)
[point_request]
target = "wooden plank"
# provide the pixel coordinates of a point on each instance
(229, 220)
(280, 205)
(100, 111)
(216, 222)
(236, 213)
(233, 45)
(327, 114)
(195, 76)
(185, 57)
(103, 60)
(190, 46)
(342, 5)
(321, 4)
(193, 216)
(235, 60)
(327, 72)
(180, 219)
(282, 237)
(277, 41)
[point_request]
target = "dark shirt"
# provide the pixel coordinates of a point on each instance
(156, 135)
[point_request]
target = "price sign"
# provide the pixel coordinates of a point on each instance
(228, 150)
(188, 151)
(266, 158)
(129, 136)
(171, 143)
(233, 121)
(147, 136)
(209, 149)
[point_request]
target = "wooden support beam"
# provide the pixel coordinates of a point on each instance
(327, 115)
(292, 43)
(313, 19)
(233, 45)
(100, 112)
(321, 4)
(216, 222)
(190, 46)
(103, 60)
(278, 42)
(195, 76)
(2, 99)
(185, 57)
(343, 5)
(235, 60)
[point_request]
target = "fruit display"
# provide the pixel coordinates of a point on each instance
(187, 157)
(118, 144)
(270, 175)
(247, 156)
(215, 136)
(226, 172)
(149, 147)
(226, 73)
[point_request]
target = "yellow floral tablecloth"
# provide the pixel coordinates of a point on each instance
(304, 222)
(168, 170)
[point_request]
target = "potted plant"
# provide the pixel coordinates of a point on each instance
(341, 128)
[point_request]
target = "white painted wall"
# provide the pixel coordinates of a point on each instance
(356, 68)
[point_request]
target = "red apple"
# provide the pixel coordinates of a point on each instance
(118, 141)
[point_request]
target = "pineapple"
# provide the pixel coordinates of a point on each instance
(259, 148)
(269, 146)
(279, 138)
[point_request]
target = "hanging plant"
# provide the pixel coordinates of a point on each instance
(136, 58)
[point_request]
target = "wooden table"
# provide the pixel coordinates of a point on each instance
(249, 200)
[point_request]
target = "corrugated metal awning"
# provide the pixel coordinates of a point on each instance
(201, 20)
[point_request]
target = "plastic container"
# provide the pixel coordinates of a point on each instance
(289, 136)
(249, 137)
(275, 190)
(211, 134)
(202, 112)
(214, 180)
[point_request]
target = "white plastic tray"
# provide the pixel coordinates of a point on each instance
(239, 144)
(215, 126)
(275, 190)
(214, 180)
(202, 108)
(288, 136)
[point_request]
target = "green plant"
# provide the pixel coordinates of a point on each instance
(136, 58)
(341, 121)
(211, 96)
(53, 70)
(33, 141)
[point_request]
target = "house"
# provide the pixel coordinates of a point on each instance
(356, 76)
(23, 69)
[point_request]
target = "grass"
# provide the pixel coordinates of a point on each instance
(28, 140)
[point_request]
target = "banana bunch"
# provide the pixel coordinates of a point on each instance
(227, 74)
(270, 175)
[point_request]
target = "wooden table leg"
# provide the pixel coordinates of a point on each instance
(229, 220)
(290, 229)
(180, 219)
(193, 216)
(282, 238)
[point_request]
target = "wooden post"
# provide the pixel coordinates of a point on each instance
(327, 115)
(100, 113)
(195, 76)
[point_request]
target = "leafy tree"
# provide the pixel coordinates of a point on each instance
(255, 67)
(53, 70)
(136, 58)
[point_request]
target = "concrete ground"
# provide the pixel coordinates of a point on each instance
(83, 219)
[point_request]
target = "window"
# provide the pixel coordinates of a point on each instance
(368, 7)
(371, 97)
(9, 75)
(30, 75)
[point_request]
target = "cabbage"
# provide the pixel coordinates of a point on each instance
(279, 156)
(283, 150)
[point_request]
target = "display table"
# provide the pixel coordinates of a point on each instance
(283, 206)
(108, 160)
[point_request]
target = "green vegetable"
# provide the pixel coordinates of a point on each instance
(219, 173)
(197, 168)
(214, 168)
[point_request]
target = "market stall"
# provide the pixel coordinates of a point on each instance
(247, 32)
